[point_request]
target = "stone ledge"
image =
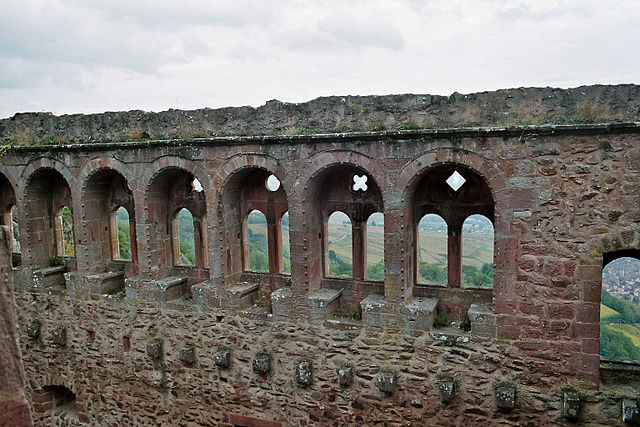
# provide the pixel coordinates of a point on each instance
(419, 313)
(205, 295)
(483, 321)
(102, 283)
(242, 295)
(373, 309)
(49, 277)
(162, 290)
(322, 303)
(282, 304)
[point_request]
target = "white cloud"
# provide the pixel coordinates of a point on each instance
(78, 56)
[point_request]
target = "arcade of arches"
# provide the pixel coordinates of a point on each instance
(468, 260)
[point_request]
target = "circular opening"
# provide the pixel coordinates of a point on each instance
(272, 183)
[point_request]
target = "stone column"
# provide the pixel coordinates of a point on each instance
(274, 241)
(454, 255)
(359, 248)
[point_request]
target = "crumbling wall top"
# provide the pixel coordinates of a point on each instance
(336, 114)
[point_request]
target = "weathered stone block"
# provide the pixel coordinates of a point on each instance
(345, 375)
(322, 303)
(630, 412)
(222, 358)
(262, 363)
(571, 405)
(505, 397)
(106, 282)
(59, 335)
(188, 353)
(304, 373)
(447, 391)
(155, 348)
(49, 277)
(483, 321)
(373, 310)
(33, 328)
(242, 295)
(387, 382)
(419, 313)
(282, 304)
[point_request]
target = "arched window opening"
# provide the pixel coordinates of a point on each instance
(286, 244)
(64, 232)
(375, 247)
(15, 231)
(258, 247)
(185, 244)
(339, 245)
(620, 308)
(123, 235)
(477, 252)
(432, 250)
(62, 399)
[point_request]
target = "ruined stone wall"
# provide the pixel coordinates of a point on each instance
(523, 106)
(14, 408)
(125, 386)
(562, 196)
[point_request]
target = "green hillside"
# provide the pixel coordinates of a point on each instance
(619, 328)
(607, 312)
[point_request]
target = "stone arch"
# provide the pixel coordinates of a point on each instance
(104, 190)
(46, 191)
(196, 169)
(241, 186)
(324, 160)
(170, 188)
(44, 397)
(101, 163)
(329, 187)
(237, 162)
(44, 163)
(487, 179)
(412, 171)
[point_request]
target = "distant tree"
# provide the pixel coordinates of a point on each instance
(124, 240)
(339, 266)
(433, 273)
(376, 271)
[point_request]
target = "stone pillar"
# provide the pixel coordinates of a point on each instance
(359, 249)
(14, 408)
(274, 242)
(454, 255)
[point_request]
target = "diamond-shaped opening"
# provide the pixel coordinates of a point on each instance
(455, 181)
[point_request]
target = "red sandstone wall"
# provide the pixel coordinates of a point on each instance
(562, 199)
(14, 408)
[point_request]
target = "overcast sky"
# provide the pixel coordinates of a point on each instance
(68, 56)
